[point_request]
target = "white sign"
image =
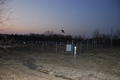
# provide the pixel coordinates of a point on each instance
(24, 43)
(75, 48)
(68, 47)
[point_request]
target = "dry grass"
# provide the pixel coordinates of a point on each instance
(97, 64)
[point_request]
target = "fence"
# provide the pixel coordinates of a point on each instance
(59, 47)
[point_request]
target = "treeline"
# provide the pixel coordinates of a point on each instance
(101, 39)
(36, 37)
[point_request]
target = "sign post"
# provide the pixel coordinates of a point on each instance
(75, 48)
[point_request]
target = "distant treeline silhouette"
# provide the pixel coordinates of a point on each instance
(106, 40)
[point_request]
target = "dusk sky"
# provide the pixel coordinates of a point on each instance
(75, 17)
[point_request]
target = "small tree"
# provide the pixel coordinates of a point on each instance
(5, 14)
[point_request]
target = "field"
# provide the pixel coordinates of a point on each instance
(101, 63)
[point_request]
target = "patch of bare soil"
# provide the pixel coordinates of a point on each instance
(97, 64)
(21, 72)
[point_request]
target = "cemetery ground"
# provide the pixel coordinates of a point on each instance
(101, 63)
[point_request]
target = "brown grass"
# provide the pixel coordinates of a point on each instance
(97, 64)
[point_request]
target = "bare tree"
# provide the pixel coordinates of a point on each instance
(48, 33)
(5, 13)
(96, 33)
(79, 37)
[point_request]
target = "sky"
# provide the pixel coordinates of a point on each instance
(75, 17)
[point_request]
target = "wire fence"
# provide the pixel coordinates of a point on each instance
(59, 47)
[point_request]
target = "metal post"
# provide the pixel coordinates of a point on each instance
(39, 42)
(56, 47)
(92, 44)
(36, 42)
(46, 42)
(31, 46)
(111, 35)
(42, 47)
(87, 45)
(80, 46)
(102, 43)
(23, 45)
(96, 43)
(72, 49)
